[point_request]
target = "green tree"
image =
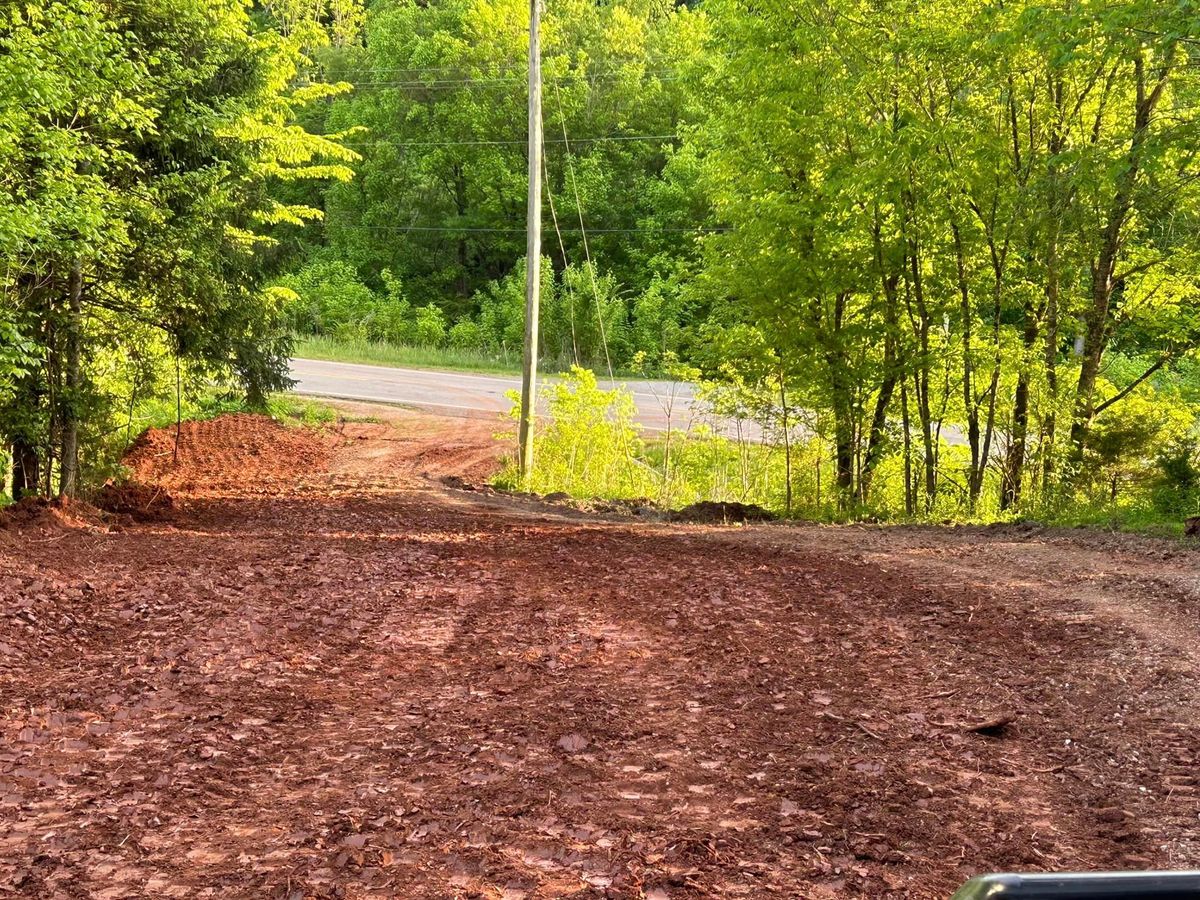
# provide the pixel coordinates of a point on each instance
(139, 144)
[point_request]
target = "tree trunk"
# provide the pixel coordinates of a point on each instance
(1050, 416)
(787, 442)
(890, 281)
(968, 383)
(460, 207)
(921, 327)
(909, 494)
(844, 454)
(841, 393)
(1058, 205)
(878, 431)
(69, 400)
(1094, 342)
(1104, 281)
(1010, 494)
(26, 467)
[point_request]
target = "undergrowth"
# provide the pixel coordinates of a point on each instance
(589, 446)
(380, 353)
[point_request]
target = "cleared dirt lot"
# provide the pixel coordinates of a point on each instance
(320, 674)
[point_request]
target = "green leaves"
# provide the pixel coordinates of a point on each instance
(139, 147)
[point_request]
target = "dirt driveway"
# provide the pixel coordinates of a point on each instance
(319, 674)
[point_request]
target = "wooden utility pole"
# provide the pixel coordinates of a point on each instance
(533, 247)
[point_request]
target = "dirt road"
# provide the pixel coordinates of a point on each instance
(319, 674)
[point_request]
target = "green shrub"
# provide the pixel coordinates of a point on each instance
(329, 298)
(586, 319)
(428, 328)
(1176, 488)
(466, 335)
(587, 445)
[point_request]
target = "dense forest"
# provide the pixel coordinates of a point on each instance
(950, 250)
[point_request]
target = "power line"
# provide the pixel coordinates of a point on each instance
(563, 248)
(521, 143)
(465, 83)
(587, 253)
(467, 229)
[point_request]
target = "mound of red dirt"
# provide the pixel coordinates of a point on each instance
(40, 514)
(143, 502)
(237, 452)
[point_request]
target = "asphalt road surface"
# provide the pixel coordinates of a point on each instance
(471, 395)
(482, 396)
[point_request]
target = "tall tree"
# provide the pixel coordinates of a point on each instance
(139, 142)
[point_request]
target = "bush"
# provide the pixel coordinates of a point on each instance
(393, 320)
(466, 335)
(1176, 488)
(657, 314)
(428, 327)
(502, 309)
(586, 321)
(502, 313)
(588, 445)
(328, 296)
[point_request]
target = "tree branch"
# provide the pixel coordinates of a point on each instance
(1125, 392)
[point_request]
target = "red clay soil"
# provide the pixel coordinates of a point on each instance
(325, 676)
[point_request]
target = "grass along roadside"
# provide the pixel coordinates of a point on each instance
(378, 353)
(448, 359)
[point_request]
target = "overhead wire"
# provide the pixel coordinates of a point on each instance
(591, 269)
(506, 142)
(587, 255)
(470, 229)
(563, 249)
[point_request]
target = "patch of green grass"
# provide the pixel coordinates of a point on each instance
(376, 353)
(292, 410)
(449, 359)
(1134, 519)
(286, 408)
(160, 412)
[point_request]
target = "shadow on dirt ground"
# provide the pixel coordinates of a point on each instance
(319, 674)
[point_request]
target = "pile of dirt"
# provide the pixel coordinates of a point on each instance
(228, 453)
(142, 502)
(38, 514)
(723, 513)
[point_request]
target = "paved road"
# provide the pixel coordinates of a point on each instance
(470, 395)
(482, 396)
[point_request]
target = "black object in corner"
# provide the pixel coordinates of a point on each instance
(1084, 886)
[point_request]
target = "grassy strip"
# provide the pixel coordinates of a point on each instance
(285, 408)
(448, 359)
(376, 353)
